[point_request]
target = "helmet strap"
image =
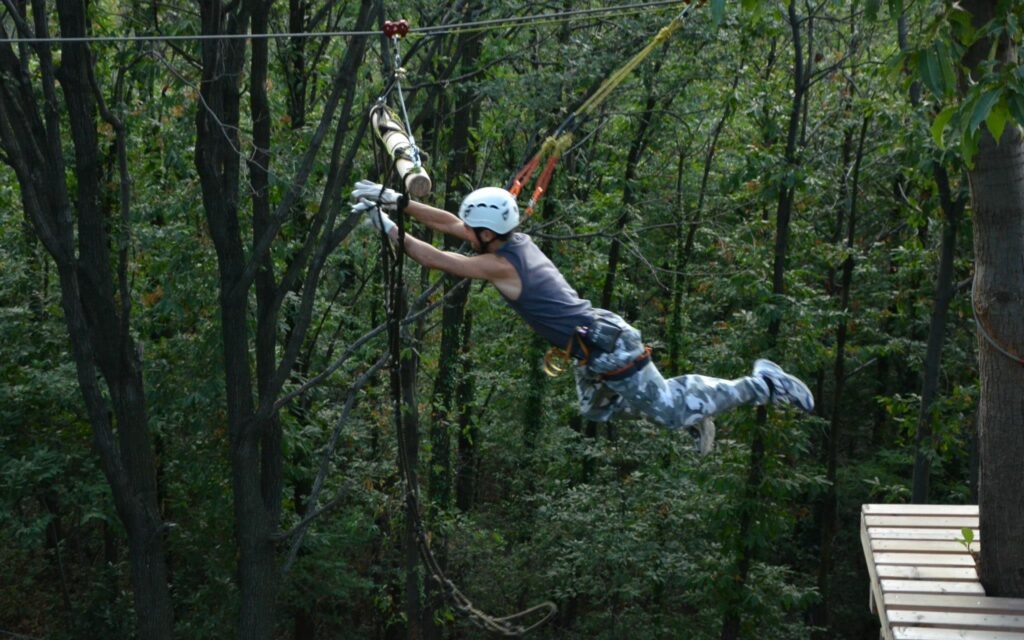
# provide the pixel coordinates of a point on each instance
(480, 238)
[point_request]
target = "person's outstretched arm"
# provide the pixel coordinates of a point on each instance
(438, 220)
(495, 269)
(486, 267)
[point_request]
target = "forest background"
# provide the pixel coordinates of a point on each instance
(197, 429)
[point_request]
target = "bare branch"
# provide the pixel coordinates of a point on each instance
(373, 333)
(299, 531)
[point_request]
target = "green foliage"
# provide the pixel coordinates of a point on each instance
(621, 525)
(992, 93)
(967, 539)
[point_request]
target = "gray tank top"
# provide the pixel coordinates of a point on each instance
(547, 303)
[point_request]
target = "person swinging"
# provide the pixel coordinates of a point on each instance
(613, 369)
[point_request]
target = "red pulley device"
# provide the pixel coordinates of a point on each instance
(396, 29)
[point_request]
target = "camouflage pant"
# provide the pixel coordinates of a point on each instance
(678, 402)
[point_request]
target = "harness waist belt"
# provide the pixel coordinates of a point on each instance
(621, 374)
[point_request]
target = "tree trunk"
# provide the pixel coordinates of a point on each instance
(731, 620)
(684, 248)
(419, 617)
(636, 150)
(96, 312)
(255, 438)
(403, 392)
(924, 440)
(952, 208)
(997, 187)
(218, 166)
(461, 165)
(997, 202)
(830, 505)
(465, 466)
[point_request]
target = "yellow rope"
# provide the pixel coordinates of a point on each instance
(556, 146)
(616, 78)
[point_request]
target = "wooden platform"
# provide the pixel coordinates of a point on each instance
(923, 582)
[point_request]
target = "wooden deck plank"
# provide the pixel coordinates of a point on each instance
(915, 509)
(910, 572)
(958, 587)
(932, 633)
(875, 593)
(925, 559)
(920, 546)
(942, 602)
(924, 585)
(912, 533)
(958, 620)
(919, 533)
(922, 522)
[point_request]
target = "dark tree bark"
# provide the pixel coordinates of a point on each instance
(218, 165)
(830, 504)
(997, 204)
(461, 165)
(924, 441)
(95, 300)
(445, 410)
(952, 207)
(418, 616)
(684, 248)
(469, 433)
(255, 438)
(997, 186)
(296, 62)
(731, 619)
(641, 139)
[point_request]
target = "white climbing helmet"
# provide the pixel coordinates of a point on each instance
(490, 208)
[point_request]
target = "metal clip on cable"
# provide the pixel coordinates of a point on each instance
(396, 31)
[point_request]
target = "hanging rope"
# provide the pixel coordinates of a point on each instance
(509, 626)
(392, 259)
(560, 141)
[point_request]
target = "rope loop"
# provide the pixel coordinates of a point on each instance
(985, 333)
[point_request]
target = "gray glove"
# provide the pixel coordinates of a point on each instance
(374, 215)
(376, 193)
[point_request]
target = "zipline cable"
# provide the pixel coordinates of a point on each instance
(454, 29)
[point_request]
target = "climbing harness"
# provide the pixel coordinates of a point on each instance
(626, 371)
(579, 347)
(513, 625)
(557, 359)
(561, 140)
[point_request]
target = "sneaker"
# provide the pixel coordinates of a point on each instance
(703, 434)
(784, 387)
